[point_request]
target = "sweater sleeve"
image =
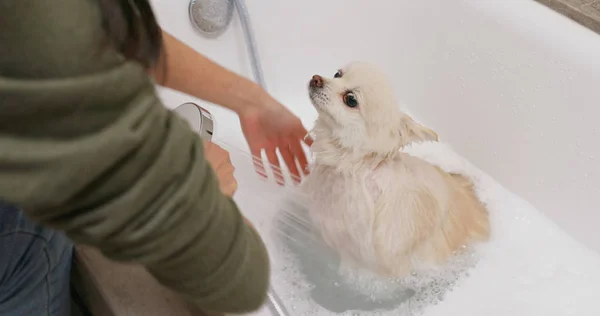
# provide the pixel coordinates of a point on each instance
(87, 147)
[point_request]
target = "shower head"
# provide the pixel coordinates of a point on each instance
(200, 120)
(211, 17)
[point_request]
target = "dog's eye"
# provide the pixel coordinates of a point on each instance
(338, 74)
(350, 99)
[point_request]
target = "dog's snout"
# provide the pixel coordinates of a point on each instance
(316, 81)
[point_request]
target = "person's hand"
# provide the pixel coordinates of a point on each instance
(218, 158)
(272, 127)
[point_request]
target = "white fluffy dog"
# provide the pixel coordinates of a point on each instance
(378, 207)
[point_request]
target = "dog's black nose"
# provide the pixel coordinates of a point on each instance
(316, 82)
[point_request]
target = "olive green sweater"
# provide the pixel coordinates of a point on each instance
(87, 147)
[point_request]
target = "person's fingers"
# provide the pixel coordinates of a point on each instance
(216, 155)
(220, 161)
(225, 162)
(288, 158)
(227, 181)
(257, 161)
(274, 161)
(230, 187)
(226, 168)
(298, 152)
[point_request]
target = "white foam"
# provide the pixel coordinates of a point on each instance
(529, 267)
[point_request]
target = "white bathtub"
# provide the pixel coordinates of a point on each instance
(513, 86)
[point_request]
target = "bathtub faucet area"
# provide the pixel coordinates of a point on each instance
(212, 18)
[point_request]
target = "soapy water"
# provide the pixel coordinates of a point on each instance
(340, 288)
(529, 266)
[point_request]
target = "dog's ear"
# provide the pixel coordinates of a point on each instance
(415, 132)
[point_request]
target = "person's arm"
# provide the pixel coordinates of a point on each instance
(183, 69)
(87, 147)
(267, 125)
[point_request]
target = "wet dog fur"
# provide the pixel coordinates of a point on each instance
(378, 207)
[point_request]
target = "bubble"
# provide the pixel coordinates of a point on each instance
(525, 261)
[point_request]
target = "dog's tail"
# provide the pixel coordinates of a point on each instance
(470, 213)
(465, 222)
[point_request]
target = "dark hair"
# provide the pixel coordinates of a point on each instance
(132, 29)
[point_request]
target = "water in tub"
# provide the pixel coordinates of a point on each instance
(529, 267)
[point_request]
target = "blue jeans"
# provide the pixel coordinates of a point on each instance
(35, 267)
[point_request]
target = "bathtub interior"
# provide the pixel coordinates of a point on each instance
(511, 85)
(500, 277)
